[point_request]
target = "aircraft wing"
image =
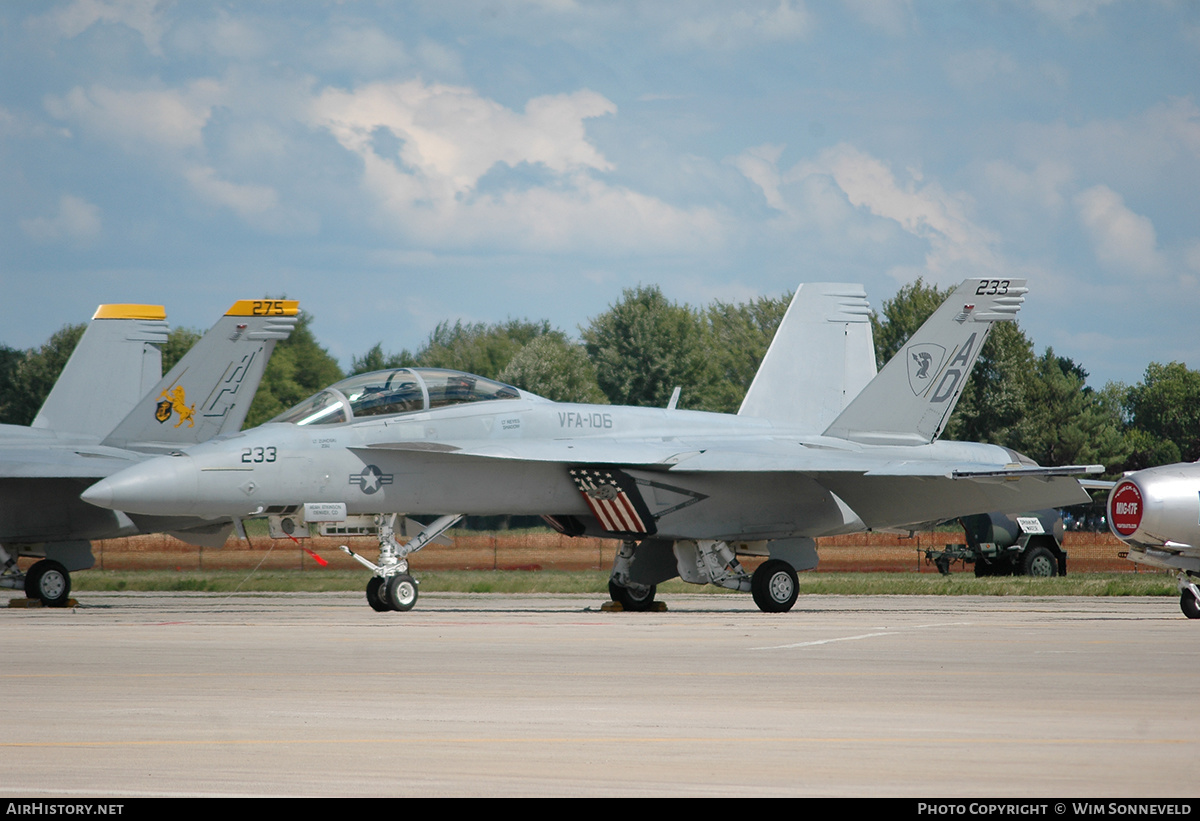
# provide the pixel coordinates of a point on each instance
(765, 455)
(882, 490)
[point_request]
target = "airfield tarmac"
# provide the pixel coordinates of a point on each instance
(181, 694)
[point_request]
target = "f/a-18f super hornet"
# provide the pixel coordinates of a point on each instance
(1157, 513)
(110, 408)
(686, 492)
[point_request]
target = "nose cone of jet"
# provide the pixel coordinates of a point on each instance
(165, 486)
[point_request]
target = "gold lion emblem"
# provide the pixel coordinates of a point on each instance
(175, 400)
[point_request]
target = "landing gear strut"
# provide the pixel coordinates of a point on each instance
(391, 587)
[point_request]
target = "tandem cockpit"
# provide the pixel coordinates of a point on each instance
(398, 390)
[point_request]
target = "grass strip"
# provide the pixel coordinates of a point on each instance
(596, 582)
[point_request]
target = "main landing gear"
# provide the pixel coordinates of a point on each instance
(47, 581)
(392, 588)
(636, 598)
(1189, 596)
(774, 585)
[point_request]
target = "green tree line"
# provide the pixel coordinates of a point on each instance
(638, 350)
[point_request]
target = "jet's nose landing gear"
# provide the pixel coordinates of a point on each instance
(391, 588)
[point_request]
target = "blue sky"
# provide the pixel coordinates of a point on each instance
(393, 165)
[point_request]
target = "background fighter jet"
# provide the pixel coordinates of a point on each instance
(110, 409)
(1157, 513)
(686, 492)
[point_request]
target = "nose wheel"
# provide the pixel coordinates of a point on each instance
(398, 593)
(401, 592)
(391, 588)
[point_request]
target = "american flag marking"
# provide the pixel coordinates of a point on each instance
(609, 501)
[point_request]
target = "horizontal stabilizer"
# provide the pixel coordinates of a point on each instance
(1065, 470)
(42, 462)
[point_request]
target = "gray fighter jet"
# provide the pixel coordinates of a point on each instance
(1157, 513)
(110, 409)
(686, 492)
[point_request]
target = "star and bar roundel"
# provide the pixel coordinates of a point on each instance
(614, 500)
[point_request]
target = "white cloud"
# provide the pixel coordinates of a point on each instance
(1066, 12)
(257, 205)
(426, 147)
(20, 123)
(172, 119)
(968, 69)
(761, 166)
(362, 48)
(1191, 257)
(1122, 240)
(451, 136)
(742, 25)
(76, 220)
(246, 200)
(1158, 144)
(140, 15)
(894, 17)
(1043, 186)
(921, 209)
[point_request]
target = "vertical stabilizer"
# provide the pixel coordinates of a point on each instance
(208, 393)
(821, 357)
(911, 399)
(116, 361)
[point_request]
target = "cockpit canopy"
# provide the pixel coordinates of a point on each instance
(400, 390)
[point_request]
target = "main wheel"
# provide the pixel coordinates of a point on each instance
(1189, 605)
(1040, 562)
(774, 586)
(401, 592)
(49, 581)
(631, 599)
(375, 595)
